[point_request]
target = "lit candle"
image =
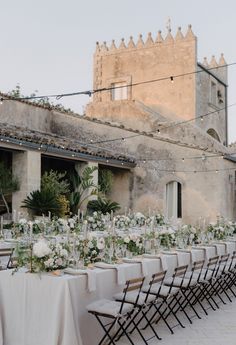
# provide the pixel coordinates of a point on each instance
(30, 230)
(1, 225)
(18, 216)
(67, 233)
(85, 229)
(14, 216)
(113, 227)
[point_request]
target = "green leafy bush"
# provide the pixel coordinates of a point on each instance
(103, 205)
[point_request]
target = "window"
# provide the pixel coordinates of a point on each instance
(174, 199)
(119, 91)
(213, 134)
(213, 93)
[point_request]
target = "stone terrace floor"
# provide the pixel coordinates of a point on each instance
(218, 328)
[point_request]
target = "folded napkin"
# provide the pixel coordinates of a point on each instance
(141, 261)
(160, 257)
(181, 257)
(221, 248)
(119, 269)
(193, 254)
(229, 246)
(206, 250)
(90, 274)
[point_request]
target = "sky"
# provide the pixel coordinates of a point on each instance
(48, 45)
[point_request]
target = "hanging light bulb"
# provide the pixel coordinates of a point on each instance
(172, 79)
(158, 131)
(201, 118)
(183, 160)
(217, 171)
(203, 157)
(1, 101)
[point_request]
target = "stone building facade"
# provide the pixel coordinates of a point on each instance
(136, 126)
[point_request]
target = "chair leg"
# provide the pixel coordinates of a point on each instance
(186, 295)
(107, 334)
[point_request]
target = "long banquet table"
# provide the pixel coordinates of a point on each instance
(51, 310)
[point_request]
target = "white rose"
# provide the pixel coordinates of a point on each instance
(126, 239)
(41, 249)
(101, 244)
(133, 237)
(49, 262)
(64, 253)
(59, 262)
(22, 221)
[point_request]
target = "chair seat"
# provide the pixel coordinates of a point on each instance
(132, 296)
(180, 282)
(109, 308)
(164, 292)
(205, 276)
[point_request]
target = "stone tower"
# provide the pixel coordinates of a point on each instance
(163, 75)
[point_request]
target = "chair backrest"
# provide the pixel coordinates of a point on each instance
(232, 261)
(179, 272)
(131, 285)
(157, 278)
(211, 267)
(6, 252)
(196, 270)
(222, 264)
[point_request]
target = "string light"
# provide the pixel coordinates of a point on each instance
(196, 171)
(203, 157)
(167, 127)
(91, 92)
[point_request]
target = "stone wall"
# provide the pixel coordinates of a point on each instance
(159, 160)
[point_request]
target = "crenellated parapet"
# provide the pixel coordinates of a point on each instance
(216, 66)
(150, 41)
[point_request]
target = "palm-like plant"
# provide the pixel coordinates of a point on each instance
(83, 188)
(103, 205)
(42, 202)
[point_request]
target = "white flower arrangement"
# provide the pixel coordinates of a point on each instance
(137, 219)
(44, 256)
(167, 237)
(122, 222)
(96, 222)
(133, 242)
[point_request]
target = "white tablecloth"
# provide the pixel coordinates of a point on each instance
(51, 310)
